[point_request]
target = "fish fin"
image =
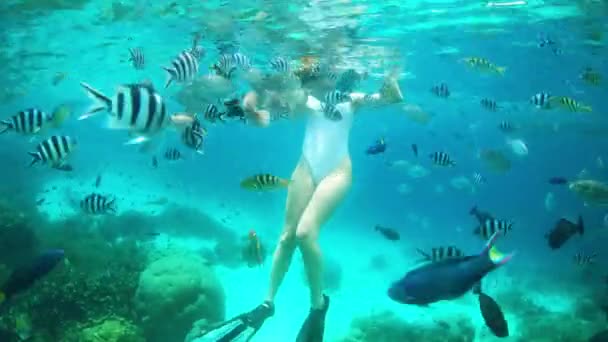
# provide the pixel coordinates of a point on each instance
(473, 210)
(100, 101)
(35, 158)
(112, 205)
(477, 288)
(494, 254)
(7, 126)
(581, 225)
(426, 257)
(137, 140)
(170, 76)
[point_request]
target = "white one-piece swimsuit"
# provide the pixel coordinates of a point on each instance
(326, 141)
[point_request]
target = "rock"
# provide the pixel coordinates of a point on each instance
(173, 293)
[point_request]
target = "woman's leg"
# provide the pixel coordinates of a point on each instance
(325, 199)
(299, 192)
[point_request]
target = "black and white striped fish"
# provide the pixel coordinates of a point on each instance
(183, 68)
(489, 104)
(331, 112)
(541, 100)
(193, 136)
(137, 58)
(212, 113)
(441, 253)
(442, 158)
(334, 97)
(97, 204)
(135, 107)
(197, 51)
(173, 154)
(441, 90)
(478, 178)
(506, 126)
(280, 64)
(228, 63)
(491, 225)
(582, 259)
(29, 121)
(53, 151)
(349, 80)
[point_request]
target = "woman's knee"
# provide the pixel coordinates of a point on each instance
(288, 239)
(306, 233)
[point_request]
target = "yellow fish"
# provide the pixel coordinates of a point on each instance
(569, 104)
(60, 114)
(591, 77)
(483, 64)
(264, 181)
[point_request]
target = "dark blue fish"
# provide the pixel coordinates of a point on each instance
(24, 277)
(558, 180)
(377, 148)
(415, 149)
(447, 279)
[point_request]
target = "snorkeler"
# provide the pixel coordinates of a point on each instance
(320, 181)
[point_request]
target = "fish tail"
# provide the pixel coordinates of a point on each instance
(501, 70)
(112, 205)
(170, 76)
(473, 210)
(100, 101)
(497, 257)
(7, 126)
(581, 225)
(585, 108)
(477, 288)
(35, 158)
(285, 182)
(425, 256)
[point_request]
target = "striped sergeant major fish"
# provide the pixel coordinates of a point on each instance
(331, 112)
(440, 253)
(492, 225)
(183, 68)
(478, 178)
(335, 96)
(228, 63)
(137, 58)
(279, 64)
(349, 80)
(506, 126)
(29, 121)
(570, 104)
(173, 154)
(442, 159)
(441, 90)
(212, 113)
(193, 136)
(135, 107)
(582, 259)
(97, 204)
(54, 151)
(489, 104)
(541, 100)
(264, 181)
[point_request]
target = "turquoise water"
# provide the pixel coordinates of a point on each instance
(172, 254)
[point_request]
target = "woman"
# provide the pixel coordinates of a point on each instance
(320, 181)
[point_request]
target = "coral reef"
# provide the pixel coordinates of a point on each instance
(387, 327)
(107, 329)
(174, 292)
(18, 241)
(98, 278)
